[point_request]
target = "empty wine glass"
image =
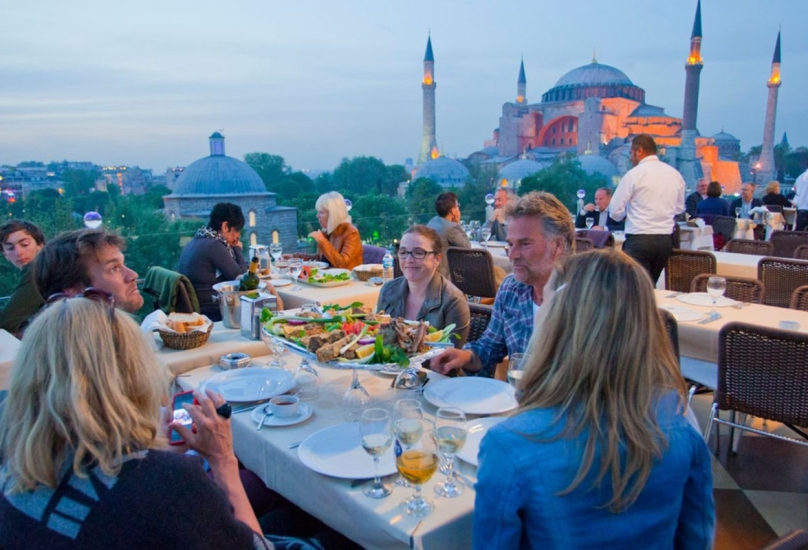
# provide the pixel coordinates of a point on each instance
(467, 229)
(408, 427)
(355, 399)
(306, 381)
(475, 229)
(409, 380)
(418, 465)
(295, 267)
(276, 250)
(450, 435)
(486, 232)
(276, 349)
(716, 286)
(374, 425)
(737, 211)
(590, 222)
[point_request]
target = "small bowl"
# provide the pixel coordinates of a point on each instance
(789, 325)
(284, 406)
(235, 361)
(378, 281)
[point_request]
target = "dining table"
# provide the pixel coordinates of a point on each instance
(342, 294)
(273, 454)
(732, 264)
(499, 254)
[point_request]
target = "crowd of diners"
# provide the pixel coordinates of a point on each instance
(598, 454)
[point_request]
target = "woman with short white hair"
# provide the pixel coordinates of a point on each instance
(338, 241)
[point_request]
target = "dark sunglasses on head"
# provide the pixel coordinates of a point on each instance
(91, 293)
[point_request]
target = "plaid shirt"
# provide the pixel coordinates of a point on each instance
(510, 327)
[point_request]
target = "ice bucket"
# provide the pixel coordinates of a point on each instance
(229, 298)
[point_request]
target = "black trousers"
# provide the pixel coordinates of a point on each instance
(801, 222)
(650, 251)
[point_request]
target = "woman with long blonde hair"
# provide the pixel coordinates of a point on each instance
(599, 453)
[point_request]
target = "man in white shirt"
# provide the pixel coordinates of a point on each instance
(801, 201)
(648, 196)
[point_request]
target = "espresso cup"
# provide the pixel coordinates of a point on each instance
(284, 406)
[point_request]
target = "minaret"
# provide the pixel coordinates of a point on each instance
(429, 145)
(521, 85)
(764, 169)
(687, 149)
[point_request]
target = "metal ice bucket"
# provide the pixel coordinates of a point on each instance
(229, 298)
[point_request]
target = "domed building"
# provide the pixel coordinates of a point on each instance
(219, 178)
(596, 164)
(512, 174)
(444, 171)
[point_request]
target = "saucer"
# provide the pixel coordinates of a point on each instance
(303, 413)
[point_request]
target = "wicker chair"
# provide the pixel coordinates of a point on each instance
(397, 268)
(583, 245)
(801, 252)
(799, 298)
(472, 271)
(673, 329)
(793, 540)
(684, 265)
(741, 289)
(786, 242)
(744, 246)
(781, 277)
(761, 372)
(480, 317)
(724, 226)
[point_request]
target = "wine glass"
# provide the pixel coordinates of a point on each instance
(276, 349)
(418, 465)
(516, 366)
(450, 435)
(355, 399)
(306, 381)
(295, 267)
(409, 380)
(590, 222)
(408, 427)
(486, 235)
(467, 229)
(716, 286)
(276, 250)
(737, 211)
(374, 425)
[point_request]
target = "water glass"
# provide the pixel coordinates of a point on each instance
(295, 267)
(486, 233)
(276, 250)
(276, 349)
(590, 222)
(354, 400)
(374, 425)
(716, 286)
(450, 435)
(516, 365)
(307, 381)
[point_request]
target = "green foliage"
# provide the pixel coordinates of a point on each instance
(295, 184)
(79, 182)
(420, 197)
(563, 179)
(481, 181)
(271, 168)
(379, 218)
(366, 175)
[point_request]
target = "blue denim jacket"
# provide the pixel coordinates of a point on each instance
(517, 503)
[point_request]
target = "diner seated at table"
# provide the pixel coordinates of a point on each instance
(693, 199)
(84, 442)
(503, 196)
(447, 225)
(21, 242)
(540, 232)
(338, 242)
(713, 204)
(746, 201)
(422, 293)
(773, 196)
(601, 409)
(599, 212)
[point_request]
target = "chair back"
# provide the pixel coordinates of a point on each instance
(793, 540)
(684, 265)
(746, 246)
(480, 317)
(372, 254)
(708, 218)
(741, 289)
(781, 277)
(599, 238)
(724, 226)
(786, 242)
(472, 271)
(799, 298)
(673, 329)
(801, 252)
(397, 268)
(583, 245)
(172, 291)
(774, 208)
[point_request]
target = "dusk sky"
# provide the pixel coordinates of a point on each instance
(146, 83)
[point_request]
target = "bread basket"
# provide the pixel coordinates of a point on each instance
(366, 271)
(186, 340)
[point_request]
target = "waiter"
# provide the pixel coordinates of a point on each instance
(648, 196)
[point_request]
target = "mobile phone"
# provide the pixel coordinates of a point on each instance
(180, 415)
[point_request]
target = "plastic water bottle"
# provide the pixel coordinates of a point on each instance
(387, 267)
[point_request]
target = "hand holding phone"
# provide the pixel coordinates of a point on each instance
(180, 415)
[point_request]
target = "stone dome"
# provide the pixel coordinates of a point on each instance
(218, 174)
(520, 169)
(594, 74)
(594, 80)
(443, 171)
(724, 136)
(596, 164)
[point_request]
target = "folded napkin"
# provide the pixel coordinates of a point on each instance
(700, 223)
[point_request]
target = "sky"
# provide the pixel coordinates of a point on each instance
(316, 81)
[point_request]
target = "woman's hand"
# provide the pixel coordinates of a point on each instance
(271, 289)
(319, 237)
(212, 437)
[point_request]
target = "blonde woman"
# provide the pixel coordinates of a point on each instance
(338, 242)
(83, 444)
(773, 196)
(599, 453)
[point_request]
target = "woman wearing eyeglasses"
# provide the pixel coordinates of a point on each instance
(423, 294)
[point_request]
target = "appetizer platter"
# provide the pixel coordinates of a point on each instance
(354, 337)
(324, 277)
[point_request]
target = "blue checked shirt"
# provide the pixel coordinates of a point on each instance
(510, 327)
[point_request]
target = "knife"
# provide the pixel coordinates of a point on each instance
(710, 318)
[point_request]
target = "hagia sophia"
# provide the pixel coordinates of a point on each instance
(593, 111)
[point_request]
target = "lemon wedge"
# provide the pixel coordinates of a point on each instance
(363, 351)
(434, 336)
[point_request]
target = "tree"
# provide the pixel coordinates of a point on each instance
(563, 179)
(365, 175)
(420, 197)
(79, 182)
(271, 168)
(379, 218)
(295, 184)
(481, 181)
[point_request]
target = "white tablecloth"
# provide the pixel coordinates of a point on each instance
(498, 255)
(8, 351)
(744, 229)
(355, 291)
(731, 264)
(692, 238)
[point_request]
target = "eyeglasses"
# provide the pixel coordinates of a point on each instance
(91, 293)
(418, 254)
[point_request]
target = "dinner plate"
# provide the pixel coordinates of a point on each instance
(325, 285)
(318, 265)
(303, 413)
(280, 282)
(472, 395)
(337, 452)
(704, 299)
(681, 313)
(250, 384)
(476, 431)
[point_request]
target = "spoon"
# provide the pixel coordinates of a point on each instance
(267, 413)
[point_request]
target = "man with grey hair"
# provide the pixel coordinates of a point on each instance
(540, 232)
(502, 197)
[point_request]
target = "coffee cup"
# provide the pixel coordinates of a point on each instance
(284, 406)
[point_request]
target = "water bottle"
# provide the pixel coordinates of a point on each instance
(387, 267)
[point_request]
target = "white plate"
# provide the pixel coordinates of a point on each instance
(683, 313)
(250, 384)
(337, 452)
(497, 244)
(704, 299)
(318, 265)
(303, 413)
(335, 271)
(476, 431)
(472, 395)
(280, 282)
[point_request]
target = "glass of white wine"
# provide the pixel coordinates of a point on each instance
(516, 369)
(276, 250)
(374, 425)
(450, 435)
(408, 427)
(418, 465)
(590, 222)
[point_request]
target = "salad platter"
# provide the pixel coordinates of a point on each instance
(324, 278)
(354, 337)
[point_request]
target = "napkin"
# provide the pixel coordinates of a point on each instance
(700, 223)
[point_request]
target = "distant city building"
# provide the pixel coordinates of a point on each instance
(171, 176)
(444, 171)
(219, 178)
(130, 180)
